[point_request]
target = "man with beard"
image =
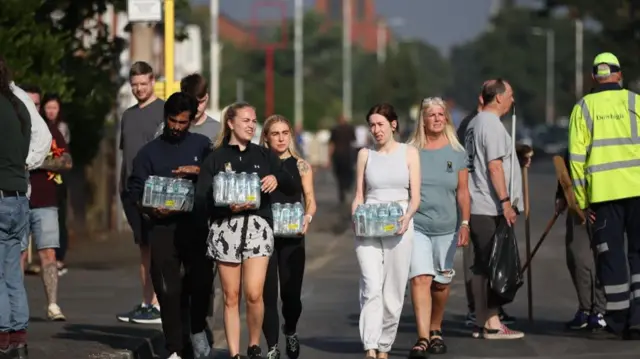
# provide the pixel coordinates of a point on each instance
(138, 127)
(176, 238)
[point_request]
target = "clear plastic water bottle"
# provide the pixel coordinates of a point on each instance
(159, 192)
(298, 217)
(170, 194)
(147, 196)
(371, 220)
(383, 219)
(219, 189)
(395, 212)
(287, 210)
(190, 195)
(253, 196)
(359, 219)
(241, 188)
(231, 189)
(276, 208)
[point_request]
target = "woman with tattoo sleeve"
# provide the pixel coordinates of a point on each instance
(288, 259)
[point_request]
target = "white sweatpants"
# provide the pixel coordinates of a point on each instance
(384, 271)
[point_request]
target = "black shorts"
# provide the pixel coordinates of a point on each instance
(139, 225)
(482, 230)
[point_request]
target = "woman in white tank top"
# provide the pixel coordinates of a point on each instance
(390, 172)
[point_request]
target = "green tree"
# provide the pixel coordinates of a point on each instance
(511, 51)
(619, 22)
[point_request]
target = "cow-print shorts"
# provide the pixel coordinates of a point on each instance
(236, 239)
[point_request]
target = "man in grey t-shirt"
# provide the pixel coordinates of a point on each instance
(138, 126)
(196, 86)
(488, 145)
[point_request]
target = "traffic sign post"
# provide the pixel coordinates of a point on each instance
(144, 10)
(269, 46)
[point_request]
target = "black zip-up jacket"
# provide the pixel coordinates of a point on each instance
(254, 158)
(159, 158)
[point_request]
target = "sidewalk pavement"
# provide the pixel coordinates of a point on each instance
(102, 280)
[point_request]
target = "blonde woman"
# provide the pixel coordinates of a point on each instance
(241, 239)
(288, 258)
(444, 190)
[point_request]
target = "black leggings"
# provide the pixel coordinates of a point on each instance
(174, 246)
(288, 261)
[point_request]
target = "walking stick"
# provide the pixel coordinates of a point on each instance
(527, 234)
(550, 224)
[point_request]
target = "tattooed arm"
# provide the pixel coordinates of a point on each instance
(62, 163)
(307, 187)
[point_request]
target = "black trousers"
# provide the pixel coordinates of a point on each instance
(286, 263)
(174, 246)
(618, 268)
(343, 169)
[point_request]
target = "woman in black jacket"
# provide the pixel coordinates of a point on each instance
(240, 237)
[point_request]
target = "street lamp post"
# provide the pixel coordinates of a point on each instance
(347, 70)
(298, 94)
(550, 35)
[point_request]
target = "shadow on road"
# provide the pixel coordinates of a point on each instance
(117, 336)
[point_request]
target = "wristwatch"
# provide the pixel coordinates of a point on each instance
(464, 223)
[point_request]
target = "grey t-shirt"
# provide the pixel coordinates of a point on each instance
(209, 128)
(486, 139)
(138, 127)
(437, 214)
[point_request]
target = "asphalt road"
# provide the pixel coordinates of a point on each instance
(329, 323)
(102, 281)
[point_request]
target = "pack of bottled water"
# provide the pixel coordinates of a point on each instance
(288, 219)
(377, 219)
(175, 194)
(236, 188)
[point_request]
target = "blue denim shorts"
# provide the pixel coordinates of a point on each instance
(43, 227)
(433, 255)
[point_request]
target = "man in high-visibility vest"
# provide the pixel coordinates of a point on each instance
(604, 156)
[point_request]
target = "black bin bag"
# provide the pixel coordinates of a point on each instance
(504, 266)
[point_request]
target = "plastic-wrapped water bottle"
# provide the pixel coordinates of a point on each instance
(231, 188)
(276, 208)
(298, 217)
(253, 195)
(170, 194)
(371, 220)
(190, 191)
(159, 192)
(287, 210)
(395, 212)
(242, 188)
(220, 189)
(147, 196)
(383, 219)
(359, 219)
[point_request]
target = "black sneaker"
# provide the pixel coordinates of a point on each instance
(126, 317)
(506, 318)
(148, 315)
(274, 352)
(579, 321)
(596, 322)
(254, 352)
(293, 344)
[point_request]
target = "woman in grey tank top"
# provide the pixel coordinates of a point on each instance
(389, 172)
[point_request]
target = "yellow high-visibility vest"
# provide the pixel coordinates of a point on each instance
(604, 147)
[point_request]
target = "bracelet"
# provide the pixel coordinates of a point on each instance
(505, 200)
(310, 217)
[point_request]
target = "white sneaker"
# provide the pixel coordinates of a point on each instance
(201, 348)
(174, 356)
(55, 314)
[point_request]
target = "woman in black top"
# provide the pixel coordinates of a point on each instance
(288, 259)
(240, 237)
